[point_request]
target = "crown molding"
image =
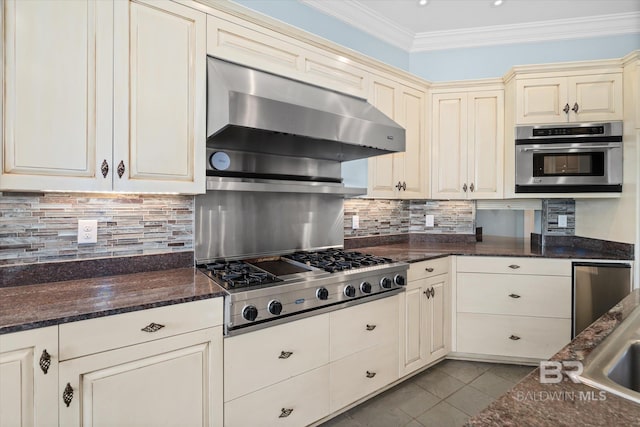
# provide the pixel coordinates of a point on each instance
(558, 29)
(357, 15)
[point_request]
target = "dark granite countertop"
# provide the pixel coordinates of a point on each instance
(414, 251)
(46, 304)
(531, 403)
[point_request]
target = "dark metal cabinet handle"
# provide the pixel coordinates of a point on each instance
(152, 327)
(429, 269)
(399, 185)
(371, 374)
(104, 168)
(472, 187)
(514, 296)
(427, 293)
(566, 109)
(404, 186)
(45, 361)
(433, 293)
(285, 354)
(121, 169)
(464, 187)
(514, 337)
(67, 395)
(514, 266)
(575, 108)
(285, 412)
(371, 327)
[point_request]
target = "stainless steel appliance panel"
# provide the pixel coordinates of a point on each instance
(596, 288)
(235, 225)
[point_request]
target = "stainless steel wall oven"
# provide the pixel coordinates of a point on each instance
(570, 158)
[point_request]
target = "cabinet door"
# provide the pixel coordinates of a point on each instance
(449, 146)
(597, 97)
(160, 97)
(169, 382)
(57, 91)
(413, 318)
(438, 317)
(410, 165)
(485, 144)
(28, 392)
(541, 100)
(382, 179)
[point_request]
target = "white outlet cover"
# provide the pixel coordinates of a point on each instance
(87, 231)
(429, 221)
(355, 222)
(562, 221)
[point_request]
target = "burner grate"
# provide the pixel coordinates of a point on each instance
(333, 260)
(238, 274)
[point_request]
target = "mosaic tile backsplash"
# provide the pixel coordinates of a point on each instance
(380, 217)
(36, 228)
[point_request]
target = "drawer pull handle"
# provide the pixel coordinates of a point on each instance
(371, 327)
(285, 412)
(371, 374)
(514, 266)
(514, 337)
(429, 269)
(515, 296)
(285, 354)
(67, 394)
(121, 169)
(152, 327)
(45, 361)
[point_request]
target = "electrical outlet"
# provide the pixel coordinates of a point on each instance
(562, 221)
(429, 221)
(87, 231)
(355, 222)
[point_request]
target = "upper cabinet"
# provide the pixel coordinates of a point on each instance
(400, 175)
(467, 144)
(573, 98)
(101, 95)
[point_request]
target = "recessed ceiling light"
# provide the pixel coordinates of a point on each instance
(497, 2)
(423, 2)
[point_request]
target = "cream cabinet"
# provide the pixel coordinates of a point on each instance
(512, 307)
(569, 98)
(425, 315)
(145, 373)
(103, 95)
(29, 378)
(400, 175)
(467, 144)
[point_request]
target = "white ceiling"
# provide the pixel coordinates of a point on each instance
(445, 24)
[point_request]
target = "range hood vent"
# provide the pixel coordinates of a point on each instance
(254, 111)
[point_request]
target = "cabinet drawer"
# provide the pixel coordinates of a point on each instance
(363, 326)
(524, 295)
(432, 267)
(258, 359)
(514, 265)
(105, 333)
(362, 373)
(307, 395)
(522, 336)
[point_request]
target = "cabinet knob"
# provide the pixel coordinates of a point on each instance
(285, 412)
(152, 327)
(472, 187)
(514, 266)
(464, 187)
(285, 354)
(433, 292)
(45, 361)
(404, 186)
(575, 108)
(399, 185)
(371, 374)
(429, 269)
(566, 109)
(514, 337)
(121, 169)
(67, 395)
(427, 293)
(371, 327)
(104, 168)
(514, 296)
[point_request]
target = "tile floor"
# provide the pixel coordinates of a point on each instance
(446, 394)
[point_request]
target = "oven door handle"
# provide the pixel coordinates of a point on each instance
(590, 147)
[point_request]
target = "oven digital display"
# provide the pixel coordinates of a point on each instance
(569, 131)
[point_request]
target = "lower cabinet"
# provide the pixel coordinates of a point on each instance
(29, 378)
(425, 315)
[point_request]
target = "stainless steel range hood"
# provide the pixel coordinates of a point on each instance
(254, 111)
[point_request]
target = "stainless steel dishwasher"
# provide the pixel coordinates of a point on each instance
(596, 288)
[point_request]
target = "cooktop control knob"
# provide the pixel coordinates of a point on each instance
(350, 291)
(365, 287)
(322, 293)
(250, 313)
(385, 283)
(275, 307)
(399, 280)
